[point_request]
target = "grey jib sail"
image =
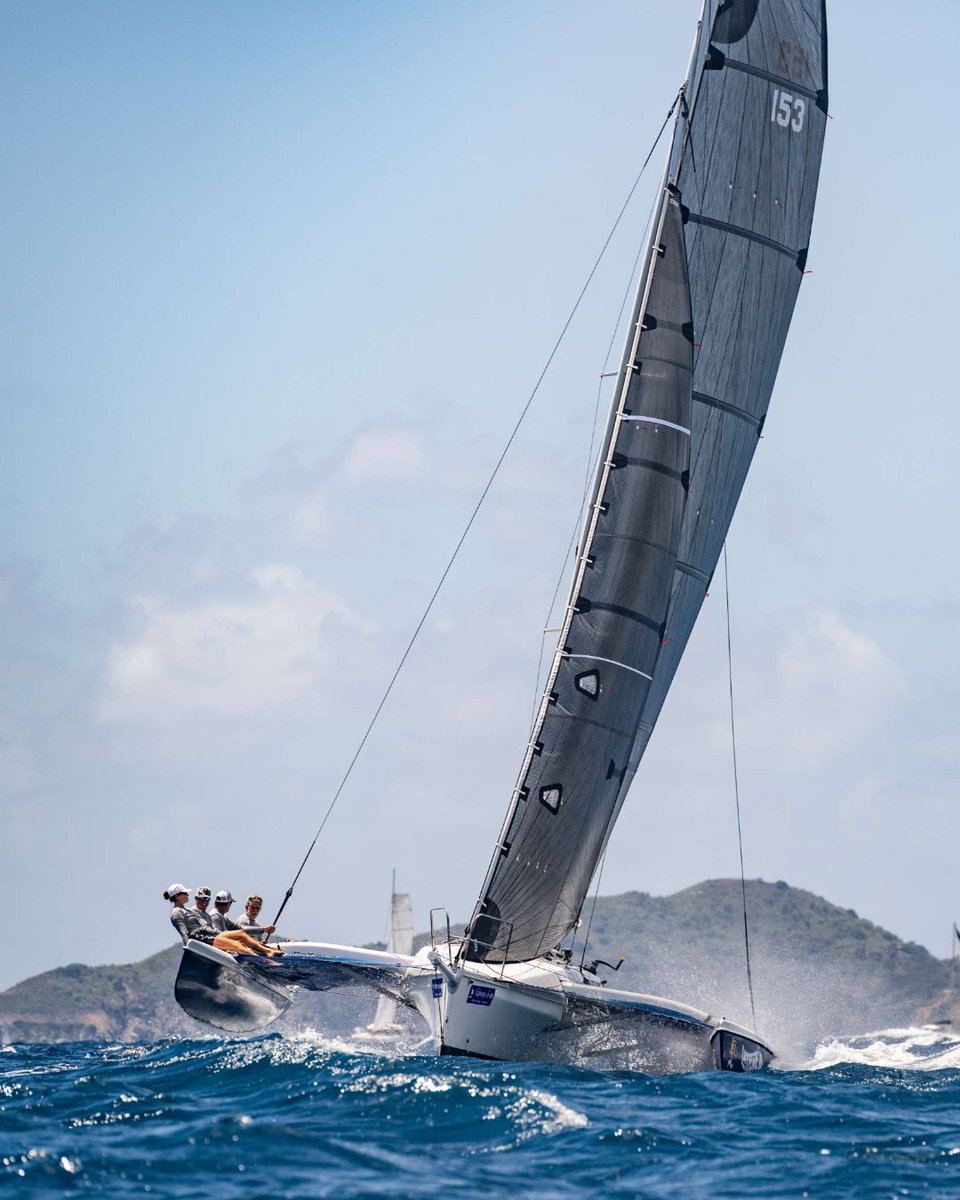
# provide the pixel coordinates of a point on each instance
(717, 293)
(612, 629)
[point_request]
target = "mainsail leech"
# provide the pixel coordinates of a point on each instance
(714, 305)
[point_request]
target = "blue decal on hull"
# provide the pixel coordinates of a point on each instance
(479, 994)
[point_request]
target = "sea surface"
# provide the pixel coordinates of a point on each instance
(870, 1117)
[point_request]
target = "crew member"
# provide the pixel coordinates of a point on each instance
(221, 918)
(189, 926)
(201, 902)
(250, 921)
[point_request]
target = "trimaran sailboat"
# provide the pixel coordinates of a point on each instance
(715, 296)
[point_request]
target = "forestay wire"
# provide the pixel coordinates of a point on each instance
(736, 785)
(473, 515)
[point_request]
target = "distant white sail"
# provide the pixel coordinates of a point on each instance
(399, 941)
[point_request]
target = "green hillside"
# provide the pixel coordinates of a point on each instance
(79, 1003)
(817, 970)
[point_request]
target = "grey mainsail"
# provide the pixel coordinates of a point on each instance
(715, 300)
(747, 160)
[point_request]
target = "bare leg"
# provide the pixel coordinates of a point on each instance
(252, 944)
(236, 941)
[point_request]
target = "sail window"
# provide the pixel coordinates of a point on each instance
(734, 18)
(550, 796)
(589, 683)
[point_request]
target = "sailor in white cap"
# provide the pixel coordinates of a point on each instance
(221, 918)
(188, 924)
(185, 920)
(201, 902)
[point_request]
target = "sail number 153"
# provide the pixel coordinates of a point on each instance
(788, 110)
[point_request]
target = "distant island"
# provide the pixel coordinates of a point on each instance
(818, 970)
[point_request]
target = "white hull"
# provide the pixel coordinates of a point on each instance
(545, 1010)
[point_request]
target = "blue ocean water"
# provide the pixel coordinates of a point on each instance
(306, 1117)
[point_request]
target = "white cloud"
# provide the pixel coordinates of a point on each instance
(224, 657)
(829, 687)
(385, 456)
(311, 522)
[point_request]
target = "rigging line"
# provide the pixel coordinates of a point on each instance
(613, 337)
(593, 909)
(473, 515)
(736, 785)
(543, 636)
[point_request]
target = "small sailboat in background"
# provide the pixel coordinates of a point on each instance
(725, 257)
(385, 1028)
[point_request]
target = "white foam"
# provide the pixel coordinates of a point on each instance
(561, 1116)
(927, 1048)
(402, 1045)
(530, 1112)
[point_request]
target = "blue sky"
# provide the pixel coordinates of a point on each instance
(278, 280)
